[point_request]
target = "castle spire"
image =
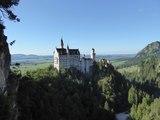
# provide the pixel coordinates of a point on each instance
(62, 44)
(68, 47)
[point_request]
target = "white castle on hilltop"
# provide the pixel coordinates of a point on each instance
(71, 58)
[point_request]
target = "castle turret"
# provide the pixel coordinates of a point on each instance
(68, 49)
(93, 54)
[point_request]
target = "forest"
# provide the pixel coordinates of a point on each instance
(69, 94)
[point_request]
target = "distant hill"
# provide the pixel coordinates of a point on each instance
(23, 57)
(15, 56)
(31, 57)
(152, 49)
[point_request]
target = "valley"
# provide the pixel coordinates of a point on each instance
(33, 62)
(127, 83)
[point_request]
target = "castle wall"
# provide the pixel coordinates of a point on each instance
(74, 61)
(85, 65)
(56, 60)
(63, 61)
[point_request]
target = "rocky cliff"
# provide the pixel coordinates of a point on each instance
(4, 60)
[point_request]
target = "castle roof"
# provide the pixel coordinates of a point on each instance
(74, 52)
(63, 51)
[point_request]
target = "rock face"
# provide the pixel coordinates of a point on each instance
(5, 60)
(7, 87)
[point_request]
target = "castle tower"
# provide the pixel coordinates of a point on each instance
(62, 44)
(93, 54)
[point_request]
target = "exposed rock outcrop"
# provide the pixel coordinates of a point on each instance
(8, 85)
(5, 60)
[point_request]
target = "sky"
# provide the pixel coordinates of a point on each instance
(109, 26)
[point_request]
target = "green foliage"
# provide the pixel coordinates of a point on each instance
(46, 94)
(154, 110)
(118, 62)
(151, 50)
(127, 70)
(114, 87)
(132, 96)
(149, 69)
(146, 110)
(5, 10)
(5, 110)
(147, 76)
(32, 66)
(69, 94)
(45, 73)
(146, 89)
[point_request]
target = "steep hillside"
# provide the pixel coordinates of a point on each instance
(149, 50)
(152, 49)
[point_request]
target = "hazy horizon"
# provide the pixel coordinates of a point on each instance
(81, 54)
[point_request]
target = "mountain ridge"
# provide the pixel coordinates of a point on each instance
(152, 49)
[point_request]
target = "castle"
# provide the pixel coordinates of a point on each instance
(71, 58)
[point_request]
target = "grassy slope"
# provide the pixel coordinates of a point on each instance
(117, 62)
(128, 69)
(24, 67)
(125, 69)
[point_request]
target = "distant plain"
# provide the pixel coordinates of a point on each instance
(33, 62)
